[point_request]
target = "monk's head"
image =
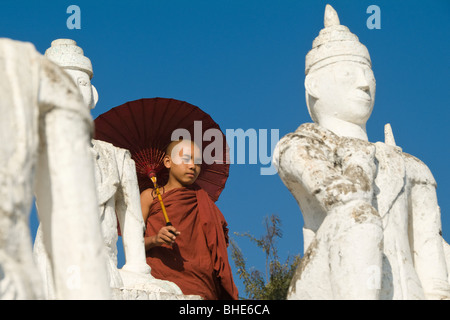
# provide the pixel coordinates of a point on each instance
(183, 159)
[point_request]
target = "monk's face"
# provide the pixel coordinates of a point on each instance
(184, 163)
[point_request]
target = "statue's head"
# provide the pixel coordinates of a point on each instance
(66, 54)
(339, 80)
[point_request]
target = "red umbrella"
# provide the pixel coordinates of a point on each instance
(145, 128)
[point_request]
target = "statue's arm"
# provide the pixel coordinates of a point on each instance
(65, 188)
(429, 256)
(128, 208)
(308, 162)
(337, 176)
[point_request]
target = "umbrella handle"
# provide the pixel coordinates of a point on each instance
(166, 217)
(171, 231)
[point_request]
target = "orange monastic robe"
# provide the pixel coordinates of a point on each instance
(198, 260)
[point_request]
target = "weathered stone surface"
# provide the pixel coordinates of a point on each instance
(45, 133)
(372, 222)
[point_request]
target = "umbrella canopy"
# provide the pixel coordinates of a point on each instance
(145, 128)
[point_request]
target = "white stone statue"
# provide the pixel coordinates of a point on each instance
(118, 197)
(371, 219)
(45, 149)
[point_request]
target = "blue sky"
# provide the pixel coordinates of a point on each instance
(243, 63)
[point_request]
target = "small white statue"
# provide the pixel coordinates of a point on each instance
(117, 192)
(372, 222)
(45, 149)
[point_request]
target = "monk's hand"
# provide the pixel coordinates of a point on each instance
(167, 235)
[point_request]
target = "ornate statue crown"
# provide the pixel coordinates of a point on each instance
(66, 53)
(334, 43)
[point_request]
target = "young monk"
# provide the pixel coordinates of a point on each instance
(193, 252)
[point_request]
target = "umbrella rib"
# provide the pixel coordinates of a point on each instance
(210, 181)
(116, 132)
(136, 143)
(214, 171)
(144, 115)
(160, 122)
(134, 123)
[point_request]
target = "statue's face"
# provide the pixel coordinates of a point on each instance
(87, 90)
(343, 90)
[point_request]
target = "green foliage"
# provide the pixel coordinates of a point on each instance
(275, 284)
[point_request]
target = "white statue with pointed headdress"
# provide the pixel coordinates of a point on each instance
(118, 198)
(45, 149)
(371, 219)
